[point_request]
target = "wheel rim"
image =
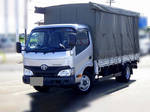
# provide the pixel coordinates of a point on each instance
(85, 83)
(127, 73)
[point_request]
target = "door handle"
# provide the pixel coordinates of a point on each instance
(90, 57)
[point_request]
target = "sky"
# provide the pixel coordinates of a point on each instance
(141, 6)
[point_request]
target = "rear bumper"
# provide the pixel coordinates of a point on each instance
(49, 81)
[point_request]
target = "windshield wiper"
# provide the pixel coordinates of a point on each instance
(46, 50)
(61, 45)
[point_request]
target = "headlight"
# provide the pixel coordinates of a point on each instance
(28, 72)
(66, 72)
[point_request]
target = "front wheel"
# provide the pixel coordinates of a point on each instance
(126, 74)
(42, 89)
(85, 84)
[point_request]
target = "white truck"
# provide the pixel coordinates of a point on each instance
(78, 44)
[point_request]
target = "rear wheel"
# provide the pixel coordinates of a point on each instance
(42, 89)
(126, 74)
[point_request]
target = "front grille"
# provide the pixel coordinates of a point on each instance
(51, 71)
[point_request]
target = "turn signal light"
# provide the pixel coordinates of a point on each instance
(79, 76)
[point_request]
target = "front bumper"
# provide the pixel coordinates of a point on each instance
(51, 81)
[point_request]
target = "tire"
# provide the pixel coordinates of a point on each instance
(85, 85)
(42, 89)
(126, 74)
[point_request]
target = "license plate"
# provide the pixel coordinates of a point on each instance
(36, 81)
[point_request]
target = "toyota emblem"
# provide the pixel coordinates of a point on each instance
(44, 67)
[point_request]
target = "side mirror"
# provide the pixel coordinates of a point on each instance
(72, 40)
(18, 47)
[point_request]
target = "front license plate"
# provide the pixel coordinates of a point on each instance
(36, 81)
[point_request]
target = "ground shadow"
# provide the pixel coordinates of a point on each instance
(66, 100)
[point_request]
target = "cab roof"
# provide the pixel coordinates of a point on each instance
(75, 26)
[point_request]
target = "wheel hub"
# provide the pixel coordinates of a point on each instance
(84, 82)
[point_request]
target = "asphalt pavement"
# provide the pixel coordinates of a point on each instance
(106, 96)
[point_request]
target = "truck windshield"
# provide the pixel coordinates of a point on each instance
(49, 40)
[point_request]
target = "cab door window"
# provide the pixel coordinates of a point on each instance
(82, 41)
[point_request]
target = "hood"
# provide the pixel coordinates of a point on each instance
(50, 59)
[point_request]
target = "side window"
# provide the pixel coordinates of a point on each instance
(82, 41)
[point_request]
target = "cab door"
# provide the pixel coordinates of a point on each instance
(83, 51)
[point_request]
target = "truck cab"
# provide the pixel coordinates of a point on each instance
(58, 55)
